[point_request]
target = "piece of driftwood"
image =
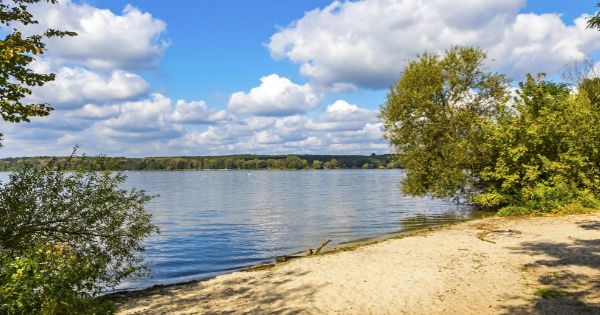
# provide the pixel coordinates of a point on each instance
(285, 258)
(310, 251)
(486, 232)
(318, 250)
(482, 235)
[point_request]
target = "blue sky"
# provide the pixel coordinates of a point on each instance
(218, 47)
(216, 50)
(223, 77)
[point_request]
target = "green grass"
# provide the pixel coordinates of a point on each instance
(550, 293)
(569, 209)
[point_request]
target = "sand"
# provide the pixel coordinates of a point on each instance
(542, 265)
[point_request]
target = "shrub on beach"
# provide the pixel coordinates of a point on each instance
(47, 280)
(66, 237)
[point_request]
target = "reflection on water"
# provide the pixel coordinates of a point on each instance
(214, 221)
(422, 220)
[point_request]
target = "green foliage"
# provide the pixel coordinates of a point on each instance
(66, 237)
(234, 162)
(550, 293)
(537, 154)
(294, 162)
(16, 54)
(594, 22)
(545, 155)
(40, 281)
(514, 211)
(317, 165)
(434, 117)
(332, 164)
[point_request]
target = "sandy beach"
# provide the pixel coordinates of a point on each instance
(540, 265)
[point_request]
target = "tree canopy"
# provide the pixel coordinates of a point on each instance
(230, 162)
(66, 237)
(434, 116)
(460, 135)
(17, 52)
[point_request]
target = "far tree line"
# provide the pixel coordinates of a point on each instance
(228, 162)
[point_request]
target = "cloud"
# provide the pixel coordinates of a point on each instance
(105, 40)
(156, 117)
(105, 106)
(341, 128)
(276, 96)
(341, 116)
(158, 125)
(196, 112)
(351, 44)
(75, 86)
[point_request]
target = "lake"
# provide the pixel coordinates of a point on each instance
(212, 222)
(216, 221)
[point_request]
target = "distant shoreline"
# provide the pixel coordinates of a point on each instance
(225, 162)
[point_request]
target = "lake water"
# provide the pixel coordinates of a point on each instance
(215, 221)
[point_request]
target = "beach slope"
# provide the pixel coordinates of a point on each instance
(541, 265)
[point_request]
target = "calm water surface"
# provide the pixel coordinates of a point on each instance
(215, 221)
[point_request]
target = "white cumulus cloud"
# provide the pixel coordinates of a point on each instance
(131, 40)
(75, 86)
(341, 116)
(276, 96)
(367, 43)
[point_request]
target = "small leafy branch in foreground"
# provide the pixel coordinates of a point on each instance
(594, 21)
(66, 237)
(461, 134)
(17, 52)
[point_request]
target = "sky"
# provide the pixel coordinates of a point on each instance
(172, 78)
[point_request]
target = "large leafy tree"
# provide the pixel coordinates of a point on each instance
(434, 117)
(17, 52)
(458, 134)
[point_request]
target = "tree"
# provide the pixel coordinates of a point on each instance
(544, 156)
(457, 137)
(594, 22)
(293, 162)
(317, 165)
(333, 163)
(66, 237)
(434, 117)
(16, 54)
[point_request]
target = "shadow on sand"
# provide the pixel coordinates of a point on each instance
(559, 285)
(248, 295)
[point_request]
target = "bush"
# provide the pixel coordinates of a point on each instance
(514, 211)
(560, 199)
(46, 280)
(66, 237)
